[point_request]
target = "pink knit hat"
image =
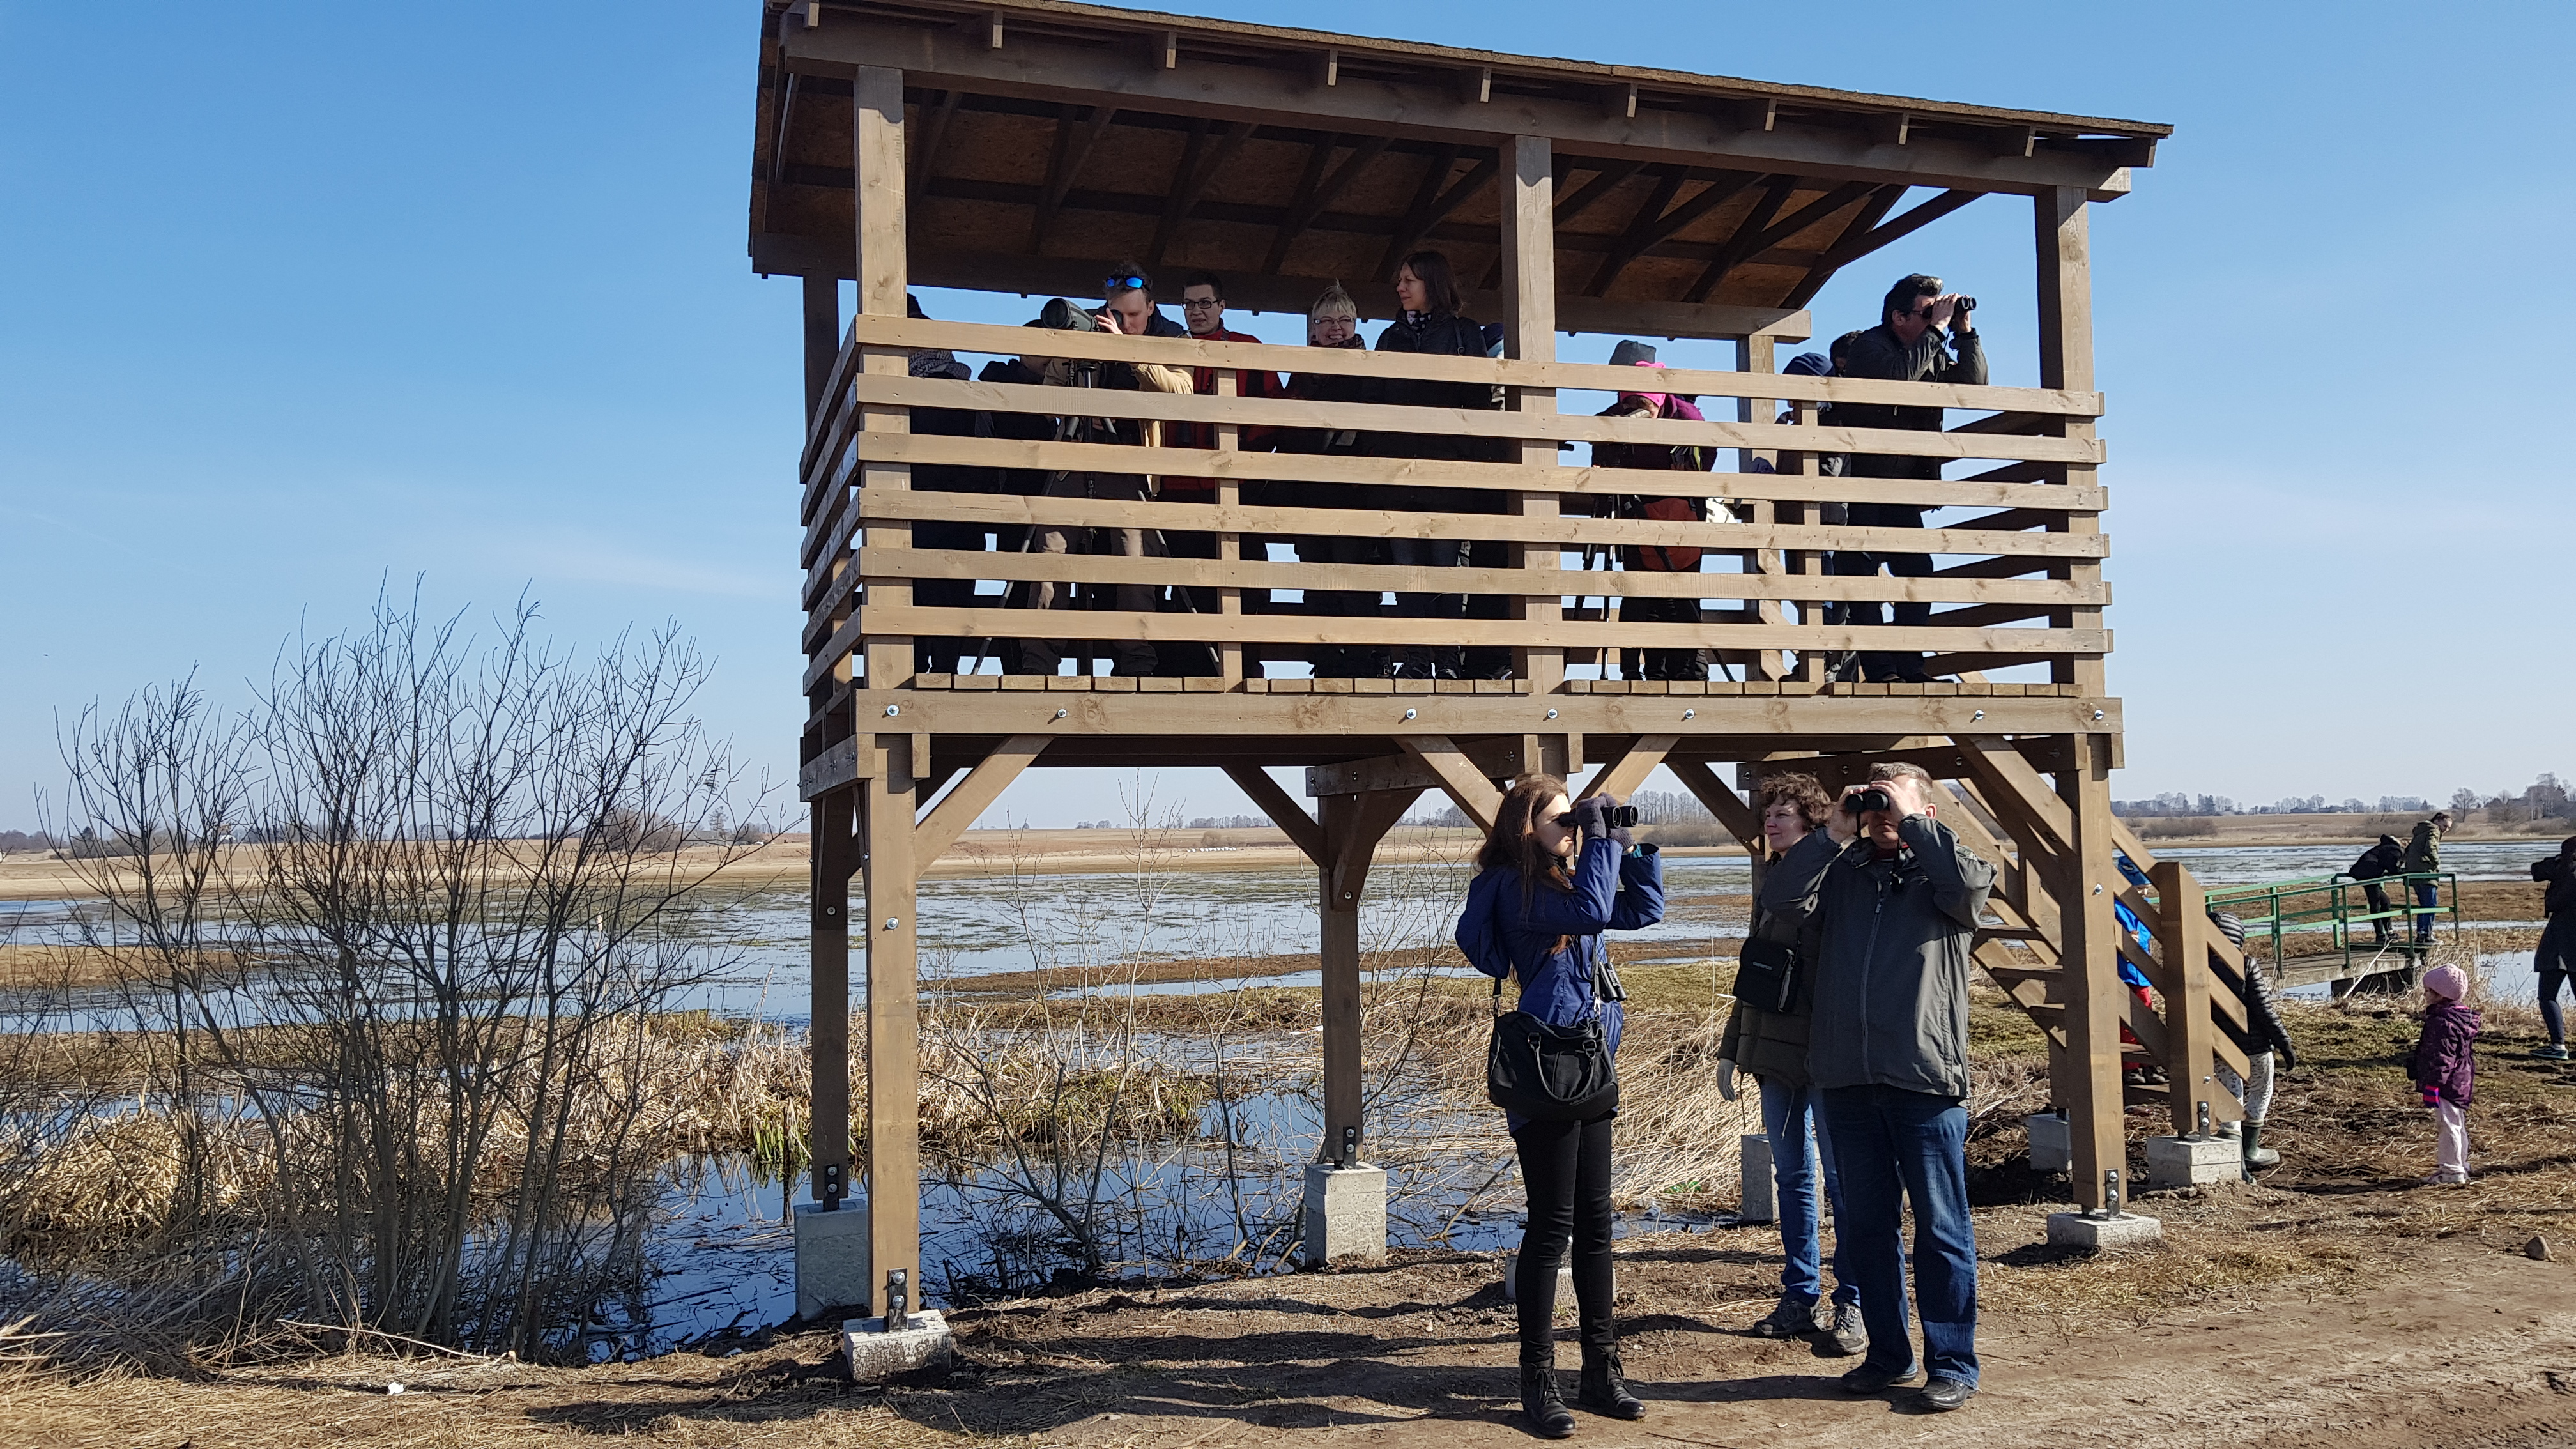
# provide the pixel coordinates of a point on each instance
(2447, 982)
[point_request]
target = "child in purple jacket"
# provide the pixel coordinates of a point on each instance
(2444, 1065)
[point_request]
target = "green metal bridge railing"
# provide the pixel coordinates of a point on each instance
(2333, 907)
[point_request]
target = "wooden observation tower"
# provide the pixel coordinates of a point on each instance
(1027, 146)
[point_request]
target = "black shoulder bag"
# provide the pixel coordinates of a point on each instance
(1767, 974)
(1551, 1073)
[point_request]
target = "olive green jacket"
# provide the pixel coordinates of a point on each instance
(2424, 851)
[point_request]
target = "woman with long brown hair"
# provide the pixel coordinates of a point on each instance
(1552, 877)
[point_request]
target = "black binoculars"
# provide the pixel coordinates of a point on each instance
(1868, 800)
(1613, 817)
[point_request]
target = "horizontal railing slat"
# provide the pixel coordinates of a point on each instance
(1011, 397)
(987, 338)
(1594, 481)
(1571, 530)
(1374, 579)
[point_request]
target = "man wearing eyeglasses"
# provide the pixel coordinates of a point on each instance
(1203, 308)
(1128, 292)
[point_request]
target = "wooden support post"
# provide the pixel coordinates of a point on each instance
(1630, 770)
(1283, 810)
(877, 166)
(1755, 354)
(835, 858)
(1459, 778)
(1732, 813)
(974, 795)
(894, 1018)
(1529, 280)
(1229, 546)
(2066, 360)
(2182, 935)
(822, 341)
(1352, 825)
(1810, 563)
(2095, 999)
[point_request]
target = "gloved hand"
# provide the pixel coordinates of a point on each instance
(1726, 1079)
(1590, 812)
(1624, 838)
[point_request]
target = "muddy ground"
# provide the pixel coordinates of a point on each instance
(2338, 1302)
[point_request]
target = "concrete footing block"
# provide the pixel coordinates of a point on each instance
(833, 1259)
(2052, 1149)
(1761, 1204)
(1512, 1279)
(2194, 1161)
(2083, 1230)
(1345, 1214)
(876, 1355)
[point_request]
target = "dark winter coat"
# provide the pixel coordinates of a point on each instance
(1891, 969)
(2444, 1061)
(2423, 850)
(1772, 1045)
(1440, 334)
(2557, 939)
(2560, 872)
(1504, 938)
(1878, 353)
(2380, 860)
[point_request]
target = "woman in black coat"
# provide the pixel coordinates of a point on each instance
(1428, 323)
(2556, 958)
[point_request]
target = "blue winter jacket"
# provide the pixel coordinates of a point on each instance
(1612, 892)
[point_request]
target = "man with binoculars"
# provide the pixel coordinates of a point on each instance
(1890, 899)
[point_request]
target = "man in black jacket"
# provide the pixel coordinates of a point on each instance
(1893, 899)
(1911, 343)
(2375, 865)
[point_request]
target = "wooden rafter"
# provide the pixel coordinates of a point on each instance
(1191, 183)
(1432, 208)
(1647, 231)
(975, 794)
(1074, 140)
(1722, 801)
(1751, 242)
(1283, 810)
(1611, 176)
(924, 156)
(1312, 202)
(1866, 235)
(1622, 776)
(1459, 778)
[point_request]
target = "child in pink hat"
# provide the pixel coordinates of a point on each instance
(2444, 1066)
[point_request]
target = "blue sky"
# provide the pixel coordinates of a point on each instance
(298, 298)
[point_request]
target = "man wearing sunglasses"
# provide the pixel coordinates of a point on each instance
(1129, 292)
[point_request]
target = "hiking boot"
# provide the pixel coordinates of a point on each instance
(2258, 1156)
(1849, 1336)
(2554, 1052)
(1544, 1402)
(1940, 1396)
(1793, 1317)
(1871, 1379)
(1602, 1391)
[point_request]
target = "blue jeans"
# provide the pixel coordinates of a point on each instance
(1789, 1116)
(1891, 1146)
(2427, 895)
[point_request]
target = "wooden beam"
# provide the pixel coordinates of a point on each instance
(1459, 777)
(1499, 758)
(1652, 225)
(1193, 180)
(1432, 208)
(1283, 810)
(1622, 776)
(922, 157)
(2009, 782)
(1619, 101)
(1861, 236)
(1610, 176)
(1448, 96)
(954, 815)
(1528, 259)
(1314, 200)
(893, 935)
(1754, 238)
(1074, 140)
(1326, 68)
(835, 859)
(822, 342)
(1351, 825)
(1730, 809)
(877, 167)
(2095, 999)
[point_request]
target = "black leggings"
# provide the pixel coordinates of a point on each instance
(1567, 1168)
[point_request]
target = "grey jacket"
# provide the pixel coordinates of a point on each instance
(1891, 970)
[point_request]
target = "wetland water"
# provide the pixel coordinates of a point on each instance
(721, 1251)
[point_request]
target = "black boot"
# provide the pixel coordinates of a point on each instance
(1602, 1391)
(1544, 1402)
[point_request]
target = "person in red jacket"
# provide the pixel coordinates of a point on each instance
(1203, 311)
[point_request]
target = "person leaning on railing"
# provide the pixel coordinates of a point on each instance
(1550, 879)
(1771, 1047)
(1334, 321)
(1428, 323)
(2370, 868)
(1911, 343)
(1665, 664)
(1130, 656)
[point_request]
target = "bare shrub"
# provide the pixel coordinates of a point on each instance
(391, 1045)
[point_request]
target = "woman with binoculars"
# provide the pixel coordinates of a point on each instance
(1553, 875)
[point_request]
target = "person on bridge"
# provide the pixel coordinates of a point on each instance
(2445, 1068)
(2374, 865)
(2423, 858)
(1551, 878)
(1896, 899)
(2557, 943)
(1911, 343)
(1772, 1046)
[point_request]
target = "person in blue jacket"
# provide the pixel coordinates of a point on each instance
(1551, 878)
